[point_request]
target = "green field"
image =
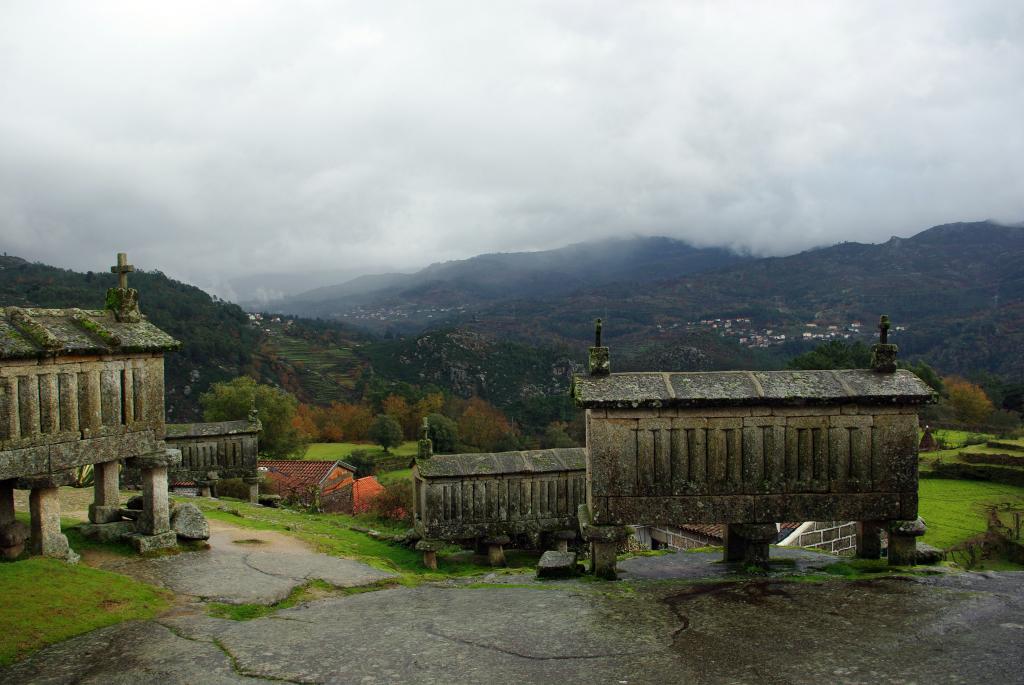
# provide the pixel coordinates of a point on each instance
(49, 601)
(340, 450)
(954, 510)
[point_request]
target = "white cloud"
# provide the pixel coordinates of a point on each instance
(210, 140)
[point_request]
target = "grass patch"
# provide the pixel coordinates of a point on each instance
(49, 601)
(388, 477)
(955, 509)
(341, 450)
(331, 534)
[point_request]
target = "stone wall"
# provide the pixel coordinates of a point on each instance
(835, 537)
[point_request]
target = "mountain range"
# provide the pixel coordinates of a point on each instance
(513, 327)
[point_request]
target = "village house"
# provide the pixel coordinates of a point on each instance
(330, 486)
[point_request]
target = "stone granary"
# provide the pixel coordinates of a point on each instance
(490, 499)
(749, 449)
(215, 451)
(82, 387)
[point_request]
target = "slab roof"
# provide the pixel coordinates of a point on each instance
(42, 333)
(497, 463)
(732, 388)
(209, 429)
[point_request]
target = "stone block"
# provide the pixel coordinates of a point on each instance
(557, 565)
(188, 522)
(926, 554)
(108, 532)
(149, 543)
(158, 459)
(104, 514)
(13, 536)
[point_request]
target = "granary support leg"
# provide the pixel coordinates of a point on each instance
(604, 543)
(903, 541)
(6, 502)
(105, 507)
(429, 549)
(44, 510)
(254, 489)
(13, 534)
(869, 539)
(748, 542)
(495, 549)
(154, 523)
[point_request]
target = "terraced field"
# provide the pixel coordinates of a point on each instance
(324, 374)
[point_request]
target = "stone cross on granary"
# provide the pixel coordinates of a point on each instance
(122, 269)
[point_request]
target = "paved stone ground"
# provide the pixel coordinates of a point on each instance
(246, 566)
(949, 628)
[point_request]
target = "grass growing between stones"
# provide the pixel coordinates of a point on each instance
(49, 601)
(332, 534)
(315, 589)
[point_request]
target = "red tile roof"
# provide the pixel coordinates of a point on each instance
(363, 492)
(295, 476)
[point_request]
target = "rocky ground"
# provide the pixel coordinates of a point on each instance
(681, 618)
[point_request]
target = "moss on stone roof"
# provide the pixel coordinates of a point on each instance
(730, 388)
(39, 333)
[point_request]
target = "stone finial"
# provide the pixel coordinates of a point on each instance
(600, 356)
(426, 445)
(254, 413)
(883, 355)
(122, 300)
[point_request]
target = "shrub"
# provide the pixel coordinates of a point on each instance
(395, 502)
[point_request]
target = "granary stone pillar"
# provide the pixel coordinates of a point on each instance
(604, 544)
(156, 512)
(44, 510)
(13, 534)
(254, 489)
(154, 522)
(105, 507)
(903, 541)
(748, 542)
(429, 549)
(869, 539)
(496, 549)
(6, 502)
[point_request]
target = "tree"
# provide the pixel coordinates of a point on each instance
(444, 433)
(835, 354)
(482, 425)
(969, 402)
(555, 436)
(386, 432)
(232, 401)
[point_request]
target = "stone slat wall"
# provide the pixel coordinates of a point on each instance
(516, 503)
(660, 466)
(59, 415)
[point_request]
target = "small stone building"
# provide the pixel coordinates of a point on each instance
(750, 448)
(214, 451)
(492, 498)
(82, 387)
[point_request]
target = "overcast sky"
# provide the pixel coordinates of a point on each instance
(216, 139)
